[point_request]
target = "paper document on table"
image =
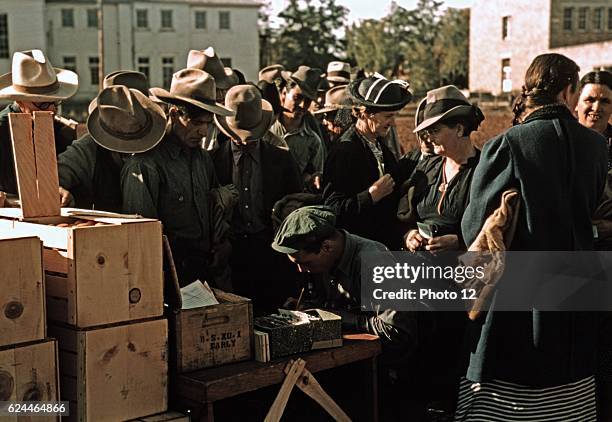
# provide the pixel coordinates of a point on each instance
(197, 295)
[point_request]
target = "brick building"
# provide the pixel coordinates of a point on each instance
(153, 36)
(505, 36)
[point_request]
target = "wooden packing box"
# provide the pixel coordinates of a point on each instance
(22, 296)
(29, 373)
(114, 373)
(212, 335)
(98, 275)
(169, 416)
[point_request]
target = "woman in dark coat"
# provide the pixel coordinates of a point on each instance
(536, 365)
(360, 172)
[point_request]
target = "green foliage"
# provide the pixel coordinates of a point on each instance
(451, 47)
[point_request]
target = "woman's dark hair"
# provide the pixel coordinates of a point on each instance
(546, 77)
(599, 77)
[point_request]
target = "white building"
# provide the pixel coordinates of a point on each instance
(153, 36)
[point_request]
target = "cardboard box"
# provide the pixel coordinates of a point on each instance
(22, 296)
(98, 275)
(29, 373)
(212, 335)
(114, 373)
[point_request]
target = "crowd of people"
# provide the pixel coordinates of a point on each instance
(268, 186)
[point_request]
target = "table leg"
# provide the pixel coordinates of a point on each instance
(207, 413)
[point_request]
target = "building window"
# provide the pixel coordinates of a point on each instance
(68, 18)
(94, 68)
(610, 19)
(167, 71)
(224, 20)
(582, 18)
(142, 18)
(200, 19)
(506, 27)
(166, 19)
(506, 75)
(92, 18)
(598, 15)
(143, 66)
(227, 61)
(568, 18)
(70, 63)
(4, 41)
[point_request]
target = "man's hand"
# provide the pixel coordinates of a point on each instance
(414, 241)
(381, 188)
(66, 198)
(449, 242)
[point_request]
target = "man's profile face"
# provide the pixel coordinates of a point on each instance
(190, 130)
(313, 262)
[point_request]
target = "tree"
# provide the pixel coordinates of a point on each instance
(310, 33)
(451, 47)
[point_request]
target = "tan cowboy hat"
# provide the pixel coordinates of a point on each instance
(444, 103)
(339, 72)
(335, 99)
(208, 61)
(418, 115)
(307, 78)
(253, 115)
(194, 87)
(33, 79)
(129, 78)
(125, 120)
(271, 73)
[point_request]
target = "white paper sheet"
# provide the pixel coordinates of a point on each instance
(197, 295)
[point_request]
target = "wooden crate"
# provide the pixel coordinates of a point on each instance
(22, 295)
(29, 373)
(212, 335)
(98, 275)
(114, 373)
(169, 416)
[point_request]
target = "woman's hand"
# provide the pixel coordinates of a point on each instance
(414, 241)
(448, 242)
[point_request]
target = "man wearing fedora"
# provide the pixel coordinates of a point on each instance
(305, 143)
(172, 182)
(263, 174)
(336, 99)
(360, 173)
(338, 73)
(34, 85)
(90, 169)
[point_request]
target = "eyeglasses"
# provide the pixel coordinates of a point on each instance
(47, 105)
(431, 131)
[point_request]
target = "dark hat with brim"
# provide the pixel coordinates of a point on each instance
(444, 103)
(125, 120)
(251, 116)
(307, 78)
(335, 99)
(129, 78)
(304, 225)
(379, 93)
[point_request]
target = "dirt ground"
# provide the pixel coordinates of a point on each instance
(496, 121)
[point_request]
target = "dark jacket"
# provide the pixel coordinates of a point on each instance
(279, 171)
(64, 135)
(350, 170)
(560, 179)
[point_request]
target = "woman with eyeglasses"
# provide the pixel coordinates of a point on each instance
(438, 191)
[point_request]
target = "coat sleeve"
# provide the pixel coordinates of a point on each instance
(76, 165)
(493, 175)
(338, 179)
(140, 183)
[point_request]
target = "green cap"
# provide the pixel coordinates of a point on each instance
(304, 225)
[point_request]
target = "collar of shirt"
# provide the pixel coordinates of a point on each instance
(251, 148)
(171, 144)
(302, 130)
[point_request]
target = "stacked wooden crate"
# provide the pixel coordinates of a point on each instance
(28, 360)
(104, 306)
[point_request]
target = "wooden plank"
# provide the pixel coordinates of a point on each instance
(22, 295)
(67, 338)
(25, 162)
(55, 260)
(210, 385)
(57, 286)
(169, 416)
(46, 164)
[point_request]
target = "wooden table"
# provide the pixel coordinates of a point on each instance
(204, 387)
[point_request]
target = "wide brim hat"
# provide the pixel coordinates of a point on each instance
(338, 72)
(335, 99)
(192, 87)
(379, 93)
(444, 103)
(271, 73)
(307, 78)
(112, 138)
(129, 78)
(33, 79)
(208, 61)
(243, 101)
(417, 119)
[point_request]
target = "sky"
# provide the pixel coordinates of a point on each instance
(360, 9)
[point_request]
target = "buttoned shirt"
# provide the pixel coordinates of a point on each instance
(172, 183)
(305, 146)
(248, 179)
